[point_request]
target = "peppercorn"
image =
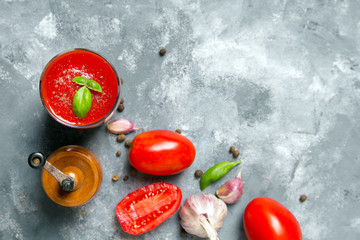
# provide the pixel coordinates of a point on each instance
(128, 143)
(115, 177)
(83, 213)
(178, 131)
(121, 107)
(125, 178)
(236, 153)
(198, 173)
(232, 149)
(162, 52)
(118, 153)
(120, 138)
(121, 100)
(303, 198)
(122, 81)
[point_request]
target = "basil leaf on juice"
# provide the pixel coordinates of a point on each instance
(93, 85)
(82, 102)
(82, 99)
(80, 80)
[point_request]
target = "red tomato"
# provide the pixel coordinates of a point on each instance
(148, 207)
(161, 152)
(265, 218)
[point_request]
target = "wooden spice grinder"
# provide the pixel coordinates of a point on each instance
(71, 175)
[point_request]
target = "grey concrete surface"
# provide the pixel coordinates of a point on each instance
(280, 80)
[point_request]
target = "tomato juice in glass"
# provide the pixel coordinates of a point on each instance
(57, 89)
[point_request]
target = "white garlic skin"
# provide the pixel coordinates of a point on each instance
(231, 191)
(196, 206)
(120, 126)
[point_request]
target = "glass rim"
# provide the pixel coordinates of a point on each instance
(103, 119)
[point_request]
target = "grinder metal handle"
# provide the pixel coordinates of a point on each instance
(37, 160)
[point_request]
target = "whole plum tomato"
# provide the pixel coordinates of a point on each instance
(161, 152)
(265, 218)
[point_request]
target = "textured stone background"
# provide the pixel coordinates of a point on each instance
(280, 80)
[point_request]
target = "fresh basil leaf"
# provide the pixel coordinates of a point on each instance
(80, 80)
(93, 85)
(82, 102)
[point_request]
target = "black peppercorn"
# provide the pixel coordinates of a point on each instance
(162, 52)
(120, 138)
(121, 107)
(118, 153)
(128, 143)
(236, 153)
(198, 173)
(303, 198)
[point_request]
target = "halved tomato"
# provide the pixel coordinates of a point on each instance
(148, 207)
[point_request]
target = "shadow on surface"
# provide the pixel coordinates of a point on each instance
(53, 135)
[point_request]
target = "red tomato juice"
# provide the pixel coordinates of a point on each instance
(57, 89)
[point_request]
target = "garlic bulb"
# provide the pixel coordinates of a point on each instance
(121, 125)
(231, 191)
(202, 215)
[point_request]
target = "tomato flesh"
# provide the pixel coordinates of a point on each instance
(161, 152)
(148, 207)
(265, 218)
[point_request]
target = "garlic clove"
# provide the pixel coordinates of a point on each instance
(121, 125)
(231, 191)
(202, 215)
